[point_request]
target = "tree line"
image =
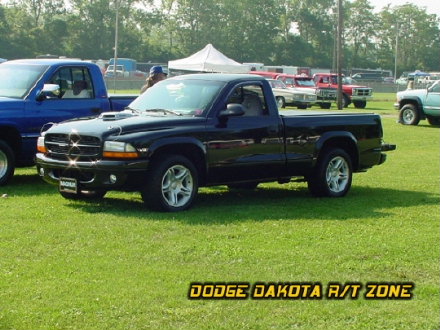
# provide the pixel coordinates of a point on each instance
(273, 32)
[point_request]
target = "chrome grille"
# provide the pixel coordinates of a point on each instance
(362, 91)
(73, 146)
(326, 93)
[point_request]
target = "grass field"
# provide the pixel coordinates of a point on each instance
(114, 265)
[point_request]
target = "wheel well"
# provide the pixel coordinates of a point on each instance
(190, 151)
(348, 145)
(12, 137)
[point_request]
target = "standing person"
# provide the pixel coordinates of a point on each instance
(156, 74)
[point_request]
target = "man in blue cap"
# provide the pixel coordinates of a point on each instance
(156, 74)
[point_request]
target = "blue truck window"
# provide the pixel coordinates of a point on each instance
(74, 82)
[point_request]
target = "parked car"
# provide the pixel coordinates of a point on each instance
(388, 80)
(297, 97)
(36, 92)
(417, 104)
(325, 95)
(201, 130)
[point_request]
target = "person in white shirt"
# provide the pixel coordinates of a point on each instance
(79, 90)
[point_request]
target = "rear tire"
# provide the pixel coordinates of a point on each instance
(325, 105)
(7, 163)
(332, 175)
(172, 184)
(409, 115)
(345, 101)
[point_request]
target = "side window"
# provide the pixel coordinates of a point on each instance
(252, 98)
(435, 89)
(74, 82)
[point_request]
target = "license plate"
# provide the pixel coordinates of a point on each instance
(68, 185)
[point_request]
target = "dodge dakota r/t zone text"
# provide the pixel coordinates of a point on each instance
(204, 130)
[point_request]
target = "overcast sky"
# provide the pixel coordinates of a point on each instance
(432, 6)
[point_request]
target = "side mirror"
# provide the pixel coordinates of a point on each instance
(48, 90)
(232, 110)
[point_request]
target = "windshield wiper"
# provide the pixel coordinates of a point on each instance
(165, 111)
(133, 110)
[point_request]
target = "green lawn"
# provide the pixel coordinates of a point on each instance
(114, 265)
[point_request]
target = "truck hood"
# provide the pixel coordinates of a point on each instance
(303, 90)
(122, 125)
(411, 92)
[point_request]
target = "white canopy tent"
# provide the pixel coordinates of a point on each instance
(208, 59)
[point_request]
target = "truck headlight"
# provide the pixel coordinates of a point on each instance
(115, 149)
(40, 145)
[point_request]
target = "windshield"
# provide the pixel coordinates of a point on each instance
(17, 80)
(277, 84)
(345, 80)
(181, 96)
(305, 82)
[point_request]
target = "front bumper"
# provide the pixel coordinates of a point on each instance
(361, 98)
(97, 175)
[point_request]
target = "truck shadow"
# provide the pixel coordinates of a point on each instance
(222, 206)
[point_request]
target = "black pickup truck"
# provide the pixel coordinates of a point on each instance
(204, 130)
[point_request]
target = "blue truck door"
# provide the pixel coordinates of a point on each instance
(248, 147)
(70, 103)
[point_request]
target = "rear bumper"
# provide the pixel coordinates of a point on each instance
(385, 147)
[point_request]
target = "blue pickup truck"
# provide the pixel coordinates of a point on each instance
(36, 92)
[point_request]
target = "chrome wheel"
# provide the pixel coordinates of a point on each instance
(332, 175)
(337, 174)
(177, 186)
(3, 164)
(7, 163)
(408, 116)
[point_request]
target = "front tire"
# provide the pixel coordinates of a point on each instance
(172, 184)
(360, 104)
(7, 163)
(409, 115)
(281, 102)
(332, 175)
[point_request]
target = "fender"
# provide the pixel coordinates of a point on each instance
(327, 138)
(191, 147)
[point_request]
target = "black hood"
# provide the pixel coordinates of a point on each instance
(122, 124)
